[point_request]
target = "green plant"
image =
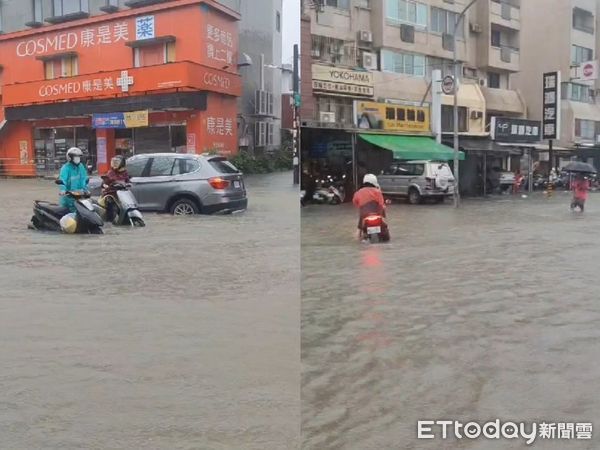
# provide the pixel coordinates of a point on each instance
(280, 159)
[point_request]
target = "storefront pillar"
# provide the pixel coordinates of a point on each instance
(105, 144)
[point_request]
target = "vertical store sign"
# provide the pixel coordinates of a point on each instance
(101, 149)
(551, 106)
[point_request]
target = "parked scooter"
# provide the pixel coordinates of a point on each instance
(52, 217)
(125, 204)
(375, 229)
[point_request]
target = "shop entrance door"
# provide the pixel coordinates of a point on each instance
(52, 144)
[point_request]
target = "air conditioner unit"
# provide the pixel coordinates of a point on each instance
(476, 115)
(315, 53)
(327, 117)
(483, 82)
(369, 61)
(475, 28)
(365, 36)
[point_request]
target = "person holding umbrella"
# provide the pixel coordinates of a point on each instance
(581, 184)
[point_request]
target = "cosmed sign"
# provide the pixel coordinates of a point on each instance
(551, 106)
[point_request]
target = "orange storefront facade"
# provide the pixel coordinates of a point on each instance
(173, 65)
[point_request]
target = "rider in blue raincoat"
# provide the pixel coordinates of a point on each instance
(74, 176)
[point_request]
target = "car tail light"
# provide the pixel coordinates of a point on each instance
(218, 183)
(429, 183)
(373, 221)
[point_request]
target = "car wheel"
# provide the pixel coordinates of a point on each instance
(184, 207)
(414, 198)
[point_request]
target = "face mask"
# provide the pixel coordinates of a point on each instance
(76, 159)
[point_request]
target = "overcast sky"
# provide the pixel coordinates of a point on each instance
(291, 28)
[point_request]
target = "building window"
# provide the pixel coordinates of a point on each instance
(583, 20)
(152, 55)
(496, 38)
(332, 50)
(406, 63)
(494, 80)
(341, 4)
(448, 119)
(585, 129)
(67, 66)
(342, 108)
(65, 7)
(445, 65)
(577, 92)
(278, 21)
(1, 18)
(442, 21)
(38, 12)
(581, 54)
(407, 11)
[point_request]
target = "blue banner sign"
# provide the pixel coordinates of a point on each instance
(120, 120)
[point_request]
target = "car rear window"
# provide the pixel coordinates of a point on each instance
(223, 166)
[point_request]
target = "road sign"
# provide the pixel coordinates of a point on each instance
(448, 85)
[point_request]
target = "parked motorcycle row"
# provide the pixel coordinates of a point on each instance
(329, 191)
(90, 214)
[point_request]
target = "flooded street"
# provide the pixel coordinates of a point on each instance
(487, 312)
(181, 335)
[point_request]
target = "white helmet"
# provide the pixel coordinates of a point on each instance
(371, 179)
(74, 152)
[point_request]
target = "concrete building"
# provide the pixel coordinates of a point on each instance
(562, 41)
(385, 51)
(260, 106)
(116, 78)
(258, 123)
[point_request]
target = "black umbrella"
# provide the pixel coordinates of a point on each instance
(579, 167)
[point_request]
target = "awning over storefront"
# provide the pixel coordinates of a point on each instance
(486, 145)
(411, 147)
(503, 100)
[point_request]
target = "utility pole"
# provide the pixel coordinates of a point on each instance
(296, 116)
(457, 22)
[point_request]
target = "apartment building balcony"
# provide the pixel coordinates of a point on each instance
(506, 14)
(504, 58)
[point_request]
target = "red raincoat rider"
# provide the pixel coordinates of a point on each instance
(369, 199)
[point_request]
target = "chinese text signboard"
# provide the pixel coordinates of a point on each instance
(505, 129)
(551, 106)
(219, 44)
(144, 27)
(72, 40)
(342, 81)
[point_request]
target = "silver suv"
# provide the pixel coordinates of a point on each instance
(417, 180)
(184, 184)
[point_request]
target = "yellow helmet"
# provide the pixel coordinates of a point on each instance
(68, 223)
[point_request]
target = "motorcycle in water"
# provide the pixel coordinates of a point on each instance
(374, 229)
(127, 212)
(52, 217)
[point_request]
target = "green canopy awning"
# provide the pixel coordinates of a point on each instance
(412, 147)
